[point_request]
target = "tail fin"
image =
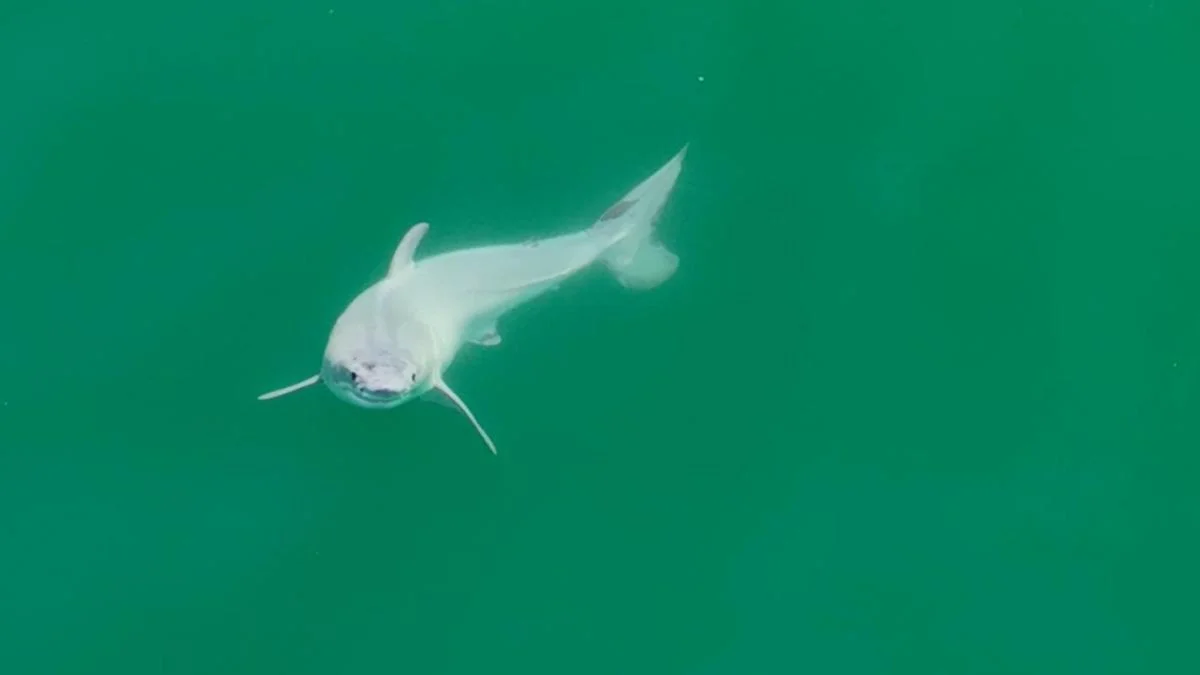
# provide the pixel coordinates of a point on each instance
(640, 262)
(637, 259)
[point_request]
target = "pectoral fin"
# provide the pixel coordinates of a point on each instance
(489, 337)
(437, 397)
(290, 388)
(448, 396)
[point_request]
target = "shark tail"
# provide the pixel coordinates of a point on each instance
(637, 258)
(641, 262)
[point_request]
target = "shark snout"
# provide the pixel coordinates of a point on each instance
(365, 386)
(368, 384)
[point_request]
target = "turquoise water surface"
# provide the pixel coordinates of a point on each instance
(921, 398)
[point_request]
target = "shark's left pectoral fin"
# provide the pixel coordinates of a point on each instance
(489, 337)
(447, 395)
(290, 388)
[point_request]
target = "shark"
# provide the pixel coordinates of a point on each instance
(396, 340)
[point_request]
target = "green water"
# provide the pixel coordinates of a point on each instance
(921, 399)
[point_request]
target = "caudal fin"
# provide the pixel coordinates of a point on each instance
(641, 263)
(637, 258)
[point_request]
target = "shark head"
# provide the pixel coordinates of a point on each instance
(376, 358)
(374, 380)
(381, 355)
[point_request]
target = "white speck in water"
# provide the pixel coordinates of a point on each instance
(700, 78)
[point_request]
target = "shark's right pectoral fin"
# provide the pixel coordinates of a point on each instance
(290, 388)
(447, 396)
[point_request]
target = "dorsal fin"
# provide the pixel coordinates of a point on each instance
(403, 257)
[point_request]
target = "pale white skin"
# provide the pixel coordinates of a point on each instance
(395, 341)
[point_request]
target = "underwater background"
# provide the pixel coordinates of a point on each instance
(922, 397)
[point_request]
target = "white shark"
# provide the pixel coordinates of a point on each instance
(395, 341)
